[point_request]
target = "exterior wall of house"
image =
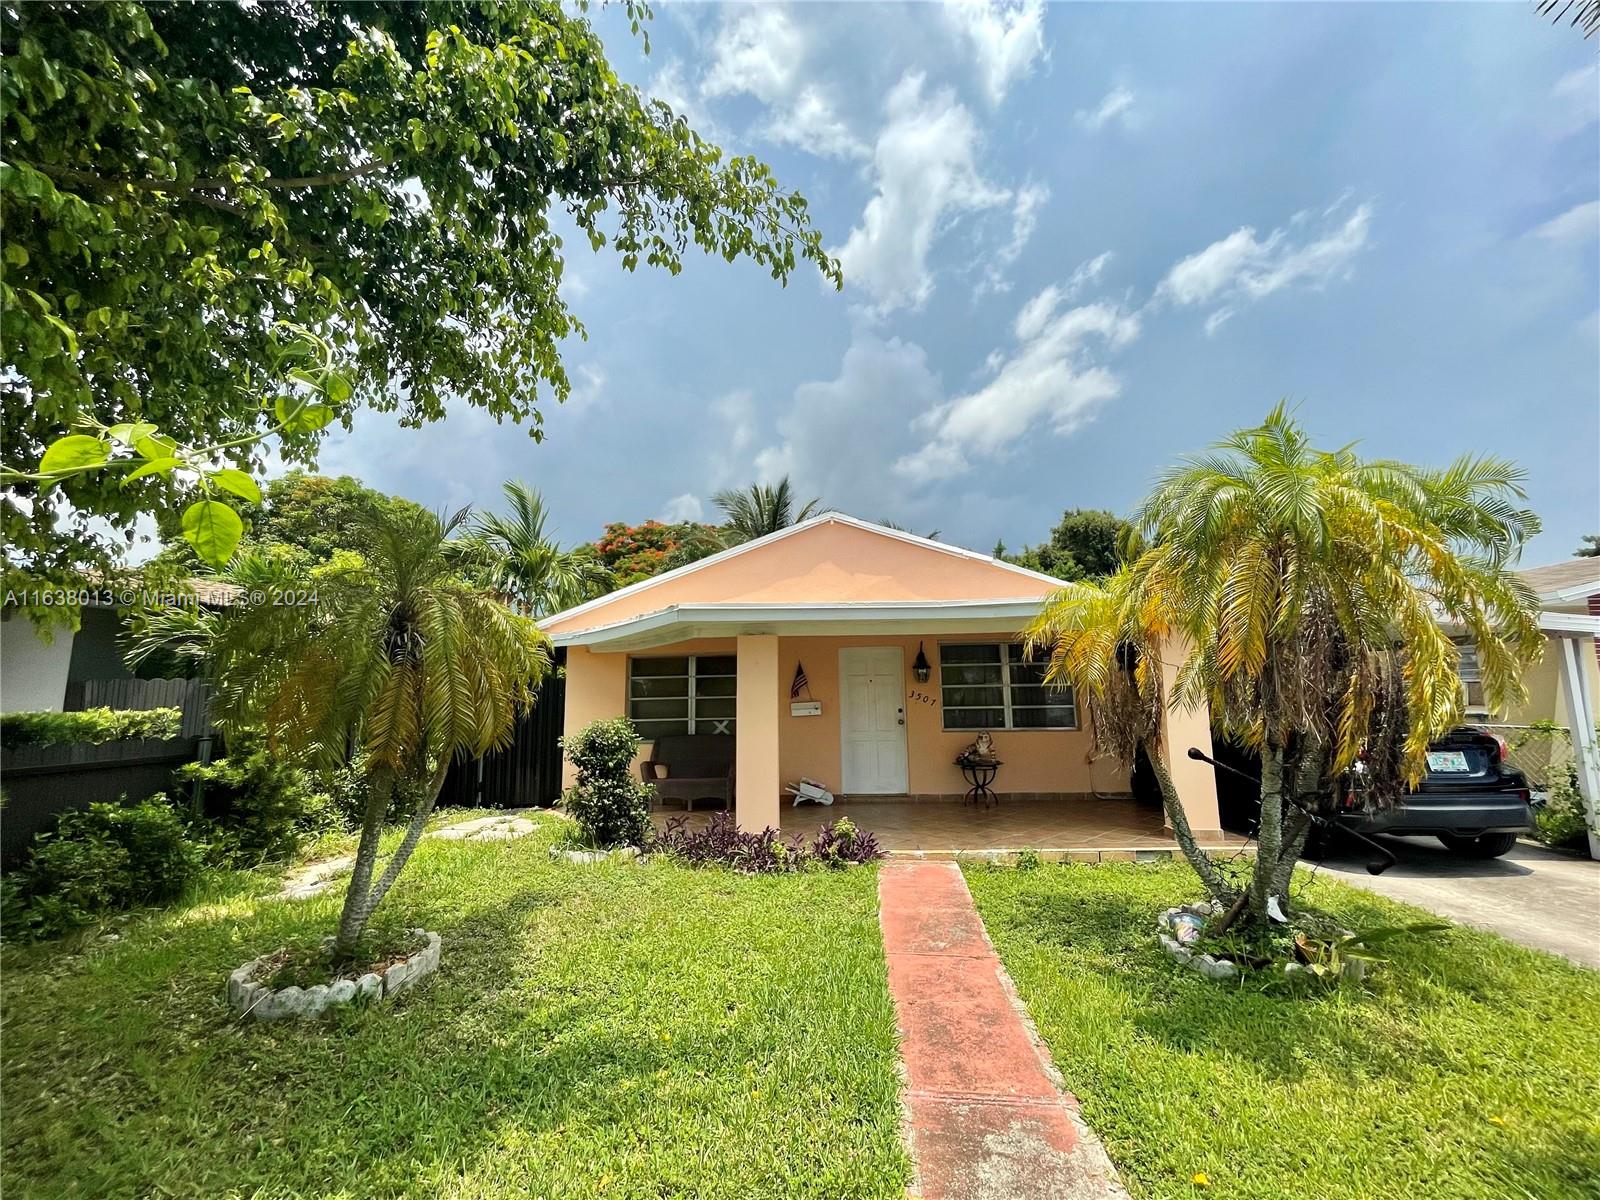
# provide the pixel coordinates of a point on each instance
(822, 563)
(1545, 681)
(1049, 762)
(33, 672)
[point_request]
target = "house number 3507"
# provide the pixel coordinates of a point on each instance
(922, 698)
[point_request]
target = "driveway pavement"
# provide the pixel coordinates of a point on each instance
(1538, 897)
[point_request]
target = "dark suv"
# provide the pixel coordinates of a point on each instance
(1470, 799)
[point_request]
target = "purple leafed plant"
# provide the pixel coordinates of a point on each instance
(721, 843)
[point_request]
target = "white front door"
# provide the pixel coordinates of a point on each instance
(872, 721)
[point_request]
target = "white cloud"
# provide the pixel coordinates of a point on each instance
(1006, 39)
(926, 174)
(1050, 379)
(1030, 198)
(1577, 96)
(759, 51)
(1579, 223)
(588, 387)
(687, 507)
(672, 86)
(839, 433)
(810, 123)
(737, 412)
(1242, 267)
(1087, 274)
(1217, 320)
(1116, 105)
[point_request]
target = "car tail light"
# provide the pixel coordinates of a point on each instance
(1505, 750)
(1525, 795)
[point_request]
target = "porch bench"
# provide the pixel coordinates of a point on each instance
(690, 767)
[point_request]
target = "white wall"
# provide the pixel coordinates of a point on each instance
(33, 673)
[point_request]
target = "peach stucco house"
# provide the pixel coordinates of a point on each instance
(714, 647)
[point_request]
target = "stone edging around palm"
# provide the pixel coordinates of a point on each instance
(252, 999)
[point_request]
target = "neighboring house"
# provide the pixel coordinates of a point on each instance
(1562, 686)
(856, 608)
(76, 669)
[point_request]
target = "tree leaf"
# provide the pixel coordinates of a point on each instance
(156, 466)
(213, 529)
(131, 433)
(74, 452)
(231, 479)
(336, 388)
(156, 446)
(298, 417)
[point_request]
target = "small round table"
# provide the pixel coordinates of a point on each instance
(980, 774)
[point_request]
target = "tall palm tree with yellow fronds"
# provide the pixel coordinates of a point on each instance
(399, 659)
(1311, 586)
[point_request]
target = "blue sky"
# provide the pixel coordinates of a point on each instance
(1079, 241)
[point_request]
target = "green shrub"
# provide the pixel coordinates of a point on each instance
(93, 725)
(349, 786)
(254, 806)
(1560, 820)
(609, 804)
(98, 860)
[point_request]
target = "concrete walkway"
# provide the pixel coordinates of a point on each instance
(314, 878)
(986, 1115)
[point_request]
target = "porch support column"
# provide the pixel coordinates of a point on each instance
(756, 782)
(1182, 727)
(1580, 721)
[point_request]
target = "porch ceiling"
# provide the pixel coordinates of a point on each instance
(681, 622)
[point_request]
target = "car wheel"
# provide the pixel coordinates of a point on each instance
(1488, 845)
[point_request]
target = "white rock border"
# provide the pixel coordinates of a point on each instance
(620, 854)
(252, 999)
(1354, 969)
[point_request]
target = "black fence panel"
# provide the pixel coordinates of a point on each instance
(42, 782)
(527, 774)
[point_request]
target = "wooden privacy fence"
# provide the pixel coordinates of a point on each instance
(191, 696)
(42, 782)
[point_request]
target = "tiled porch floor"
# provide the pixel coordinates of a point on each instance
(944, 828)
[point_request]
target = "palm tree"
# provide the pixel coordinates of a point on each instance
(1311, 585)
(760, 509)
(512, 554)
(400, 660)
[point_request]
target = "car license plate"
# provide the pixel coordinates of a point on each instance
(1448, 762)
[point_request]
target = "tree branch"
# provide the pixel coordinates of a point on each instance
(177, 187)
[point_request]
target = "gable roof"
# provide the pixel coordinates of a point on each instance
(1573, 579)
(830, 559)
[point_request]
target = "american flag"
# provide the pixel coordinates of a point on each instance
(800, 684)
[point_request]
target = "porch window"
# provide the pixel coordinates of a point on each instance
(987, 685)
(686, 694)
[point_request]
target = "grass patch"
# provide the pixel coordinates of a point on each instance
(1470, 1067)
(606, 1031)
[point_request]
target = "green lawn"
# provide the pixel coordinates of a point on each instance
(1471, 1068)
(610, 1031)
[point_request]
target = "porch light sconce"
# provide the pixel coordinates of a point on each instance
(920, 667)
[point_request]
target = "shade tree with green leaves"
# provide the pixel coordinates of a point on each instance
(1305, 590)
(178, 182)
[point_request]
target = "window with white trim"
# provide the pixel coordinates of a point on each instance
(684, 694)
(1471, 672)
(989, 685)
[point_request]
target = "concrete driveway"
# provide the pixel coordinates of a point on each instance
(1538, 897)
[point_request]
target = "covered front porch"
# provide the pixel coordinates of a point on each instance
(1079, 829)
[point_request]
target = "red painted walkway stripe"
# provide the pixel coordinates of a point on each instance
(985, 1117)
